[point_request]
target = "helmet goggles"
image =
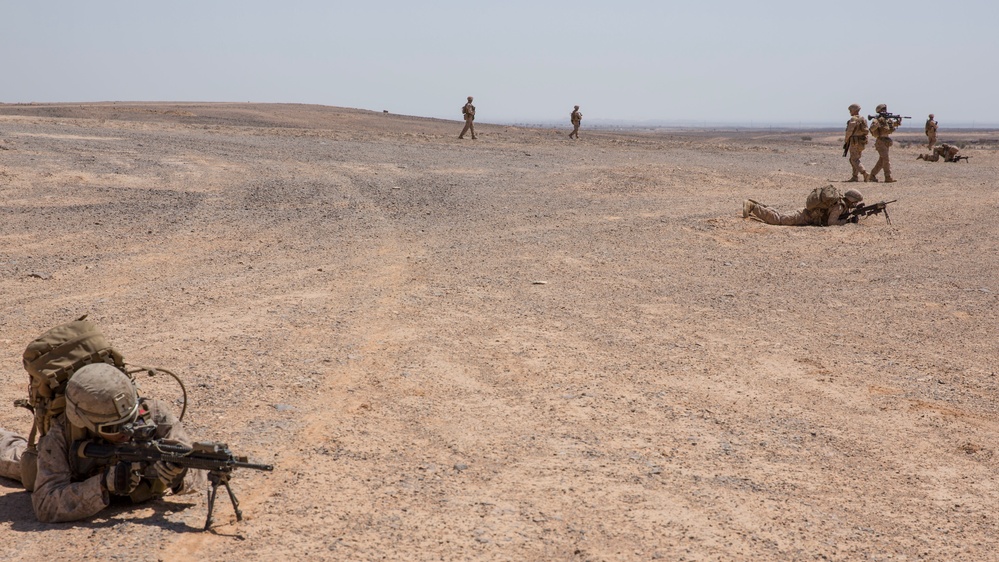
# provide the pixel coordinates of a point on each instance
(119, 426)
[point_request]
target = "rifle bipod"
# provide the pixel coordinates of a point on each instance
(220, 479)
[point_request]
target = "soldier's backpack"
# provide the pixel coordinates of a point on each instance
(822, 198)
(50, 360)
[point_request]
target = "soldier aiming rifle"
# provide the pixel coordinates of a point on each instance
(882, 126)
(96, 441)
(946, 151)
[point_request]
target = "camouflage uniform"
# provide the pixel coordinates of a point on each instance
(68, 488)
(931, 133)
(468, 111)
(576, 118)
(948, 152)
(804, 217)
(856, 141)
(11, 447)
(882, 128)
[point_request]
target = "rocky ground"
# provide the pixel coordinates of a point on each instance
(515, 348)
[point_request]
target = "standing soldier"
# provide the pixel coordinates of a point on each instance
(931, 133)
(856, 141)
(882, 127)
(468, 111)
(576, 117)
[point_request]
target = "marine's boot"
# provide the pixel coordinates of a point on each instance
(866, 176)
(920, 157)
(872, 178)
(854, 178)
(888, 179)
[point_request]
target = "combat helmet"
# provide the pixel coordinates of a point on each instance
(101, 398)
(854, 107)
(881, 108)
(853, 196)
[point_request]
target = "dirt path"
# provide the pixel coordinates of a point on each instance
(515, 348)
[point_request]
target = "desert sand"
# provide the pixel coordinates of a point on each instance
(516, 348)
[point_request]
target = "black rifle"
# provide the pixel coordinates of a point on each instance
(958, 159)
(887, 115)
(846, 147)
(867, 210)
(216, 458)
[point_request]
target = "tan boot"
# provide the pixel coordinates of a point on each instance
(872, 178)
(866, 176)
(888, 179)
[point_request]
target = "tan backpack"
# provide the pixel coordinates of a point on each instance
(50, 360)
(819, 202)
(822, 198)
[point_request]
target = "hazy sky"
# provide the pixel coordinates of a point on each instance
(713, 61)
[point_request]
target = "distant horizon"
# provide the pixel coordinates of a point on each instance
(748, 124)
(589, 122)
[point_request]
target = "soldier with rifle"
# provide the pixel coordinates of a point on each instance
(823, 207)
(946, 151)
(112, 446)
(102, 405)
(855, 142)
(882, 126)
